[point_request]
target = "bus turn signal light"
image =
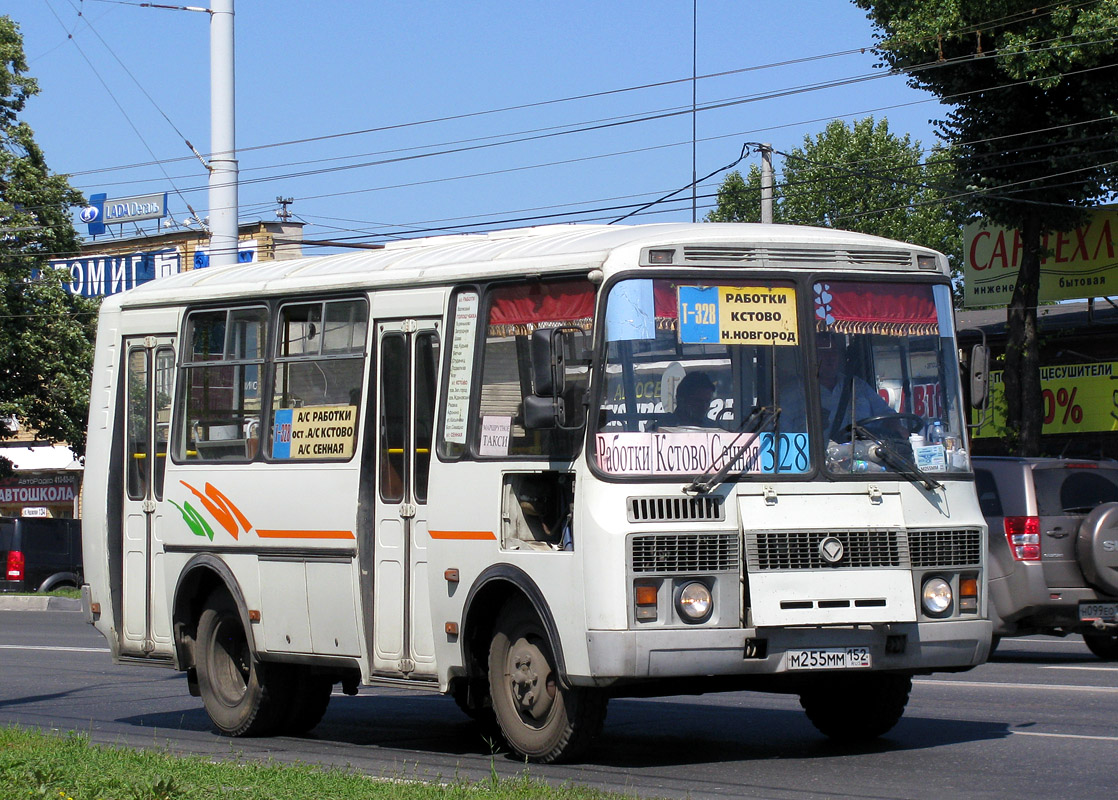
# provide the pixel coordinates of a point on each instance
(645, 598)
(968, 595)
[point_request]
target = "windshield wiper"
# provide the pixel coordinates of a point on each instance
(762, 418)
(898, 461)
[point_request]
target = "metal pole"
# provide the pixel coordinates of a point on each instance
(223, 148)
(766, 183)
(694, 78)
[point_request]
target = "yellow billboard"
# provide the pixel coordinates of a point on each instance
(1079, 263)
(1077, 398)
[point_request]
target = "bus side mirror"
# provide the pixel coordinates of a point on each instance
(545, 408)
(548, 374)
(979, 375)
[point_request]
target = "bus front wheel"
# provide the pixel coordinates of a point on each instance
(539, 719)
(856, 708)
(239, 694)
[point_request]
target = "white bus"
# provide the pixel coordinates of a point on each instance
(472, 464)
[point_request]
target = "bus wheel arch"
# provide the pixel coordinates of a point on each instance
(510, 641)
(498, 586)
(202, 576)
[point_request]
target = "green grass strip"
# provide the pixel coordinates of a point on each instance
(36, 765)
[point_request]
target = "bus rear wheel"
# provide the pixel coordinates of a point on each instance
(856, 708)
(539, 718)
(240, 695)
(307, 702)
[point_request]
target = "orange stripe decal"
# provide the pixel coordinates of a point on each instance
(305, 534)
(465, 535)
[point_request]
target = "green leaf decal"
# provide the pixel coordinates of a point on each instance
(194, 520)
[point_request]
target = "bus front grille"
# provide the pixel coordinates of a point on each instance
(951, 548)
(791, 550)
(674, 509)
(685, 552)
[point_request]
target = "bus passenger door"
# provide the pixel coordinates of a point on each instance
(407, 365)
(149, 370)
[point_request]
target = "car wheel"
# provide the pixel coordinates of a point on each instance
(856, 708)
(1103, 645)
(539, 719)
(242, 696)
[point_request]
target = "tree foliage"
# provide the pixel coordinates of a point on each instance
(45, 334)
(1033, 101)
(858, 177)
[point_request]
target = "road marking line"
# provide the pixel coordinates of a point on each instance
(1066, 736)
(1023, 686)
(54, 649)
(1072, 666)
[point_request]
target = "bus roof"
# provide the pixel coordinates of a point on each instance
(548, 249)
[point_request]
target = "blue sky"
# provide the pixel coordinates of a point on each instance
(124, 85)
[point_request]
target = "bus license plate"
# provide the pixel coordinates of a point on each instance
(1107, 612)
(829, 658)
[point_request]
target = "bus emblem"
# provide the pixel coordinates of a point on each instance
(831, 550)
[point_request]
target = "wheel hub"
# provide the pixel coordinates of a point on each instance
(531, 679)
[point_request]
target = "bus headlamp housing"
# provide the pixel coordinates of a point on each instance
(936, 596)
(694, 602)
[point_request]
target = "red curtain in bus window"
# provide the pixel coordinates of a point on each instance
(518, 310)
(891, 309)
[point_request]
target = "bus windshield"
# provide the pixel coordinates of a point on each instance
(856, 377)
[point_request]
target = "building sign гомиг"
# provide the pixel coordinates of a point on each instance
(95, 276)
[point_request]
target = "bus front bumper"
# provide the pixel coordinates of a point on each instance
(678, 653)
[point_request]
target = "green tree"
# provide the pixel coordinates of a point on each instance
(46, 335)
(1033, 102)
(857, 177)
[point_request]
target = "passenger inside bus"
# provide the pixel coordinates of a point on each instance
(840, 386)
(693, 397)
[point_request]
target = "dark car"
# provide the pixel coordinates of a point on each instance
(39, 555)
(1053, 547)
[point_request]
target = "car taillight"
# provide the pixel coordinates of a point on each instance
(1023, 535)
(15, 565)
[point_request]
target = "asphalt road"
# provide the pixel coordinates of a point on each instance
(1040, 720)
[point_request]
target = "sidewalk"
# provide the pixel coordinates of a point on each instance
(24, 602)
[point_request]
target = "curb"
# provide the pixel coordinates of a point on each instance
(23, 602)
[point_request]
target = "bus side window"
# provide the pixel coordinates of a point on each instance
(316, 394)
(515, 311)
(220, 395)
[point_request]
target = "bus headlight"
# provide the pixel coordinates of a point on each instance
(694, 602)
(937, 596)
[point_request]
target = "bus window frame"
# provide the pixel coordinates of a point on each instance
(268, 362)
(448, 343)
(273, 360)
(185, 363)
(481, 337)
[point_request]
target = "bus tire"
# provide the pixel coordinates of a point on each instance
(239, 693)
(856, 708)
(539, 719)
(310, 695)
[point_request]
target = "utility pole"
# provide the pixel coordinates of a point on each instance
(766, 183)
(223, 147)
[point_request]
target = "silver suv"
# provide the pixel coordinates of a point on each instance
(1053, 547)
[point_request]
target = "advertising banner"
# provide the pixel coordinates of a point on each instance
(1078, 398)
(1079, 263)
